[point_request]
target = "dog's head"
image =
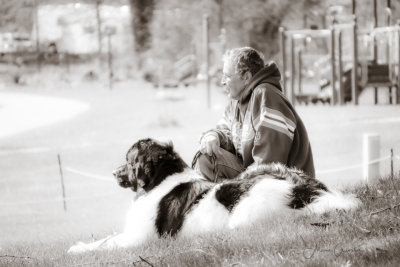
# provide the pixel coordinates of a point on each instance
(148, 163)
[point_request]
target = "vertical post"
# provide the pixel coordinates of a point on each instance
(375, 14)
(371, 151)
(375, 26)
(353, 7)
(354, 73)
(388, 21)
(388, 57)
(161, 80)
(340, 78)
(62, 182)
(391, 163)
(222, 39)
(283, 57)
(36, 16)
(389, 14)
(66, 56)
(206, 57)
(397, 97)
(292, 71)
(299, 67)
(333, 67)
(99, 35)
(110, 71)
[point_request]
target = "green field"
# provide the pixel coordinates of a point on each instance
(35, 229)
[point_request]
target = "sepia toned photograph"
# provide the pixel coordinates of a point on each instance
(199, 133)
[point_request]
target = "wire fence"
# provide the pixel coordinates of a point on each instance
(97, 177)
(353, 166)
(88, 175)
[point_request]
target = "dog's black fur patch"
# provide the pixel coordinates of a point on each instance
(303, 194)
(174, 206)
(153, 162)
(230, 192)
(276, 171)
(305, 189)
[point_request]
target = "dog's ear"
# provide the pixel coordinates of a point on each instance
(169, 149)
(160, 152)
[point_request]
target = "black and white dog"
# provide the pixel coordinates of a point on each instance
(172, 199)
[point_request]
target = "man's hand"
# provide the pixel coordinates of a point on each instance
(209, 145)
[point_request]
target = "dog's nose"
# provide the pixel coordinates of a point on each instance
(115, 172)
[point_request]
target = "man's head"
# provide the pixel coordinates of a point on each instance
(240, 65)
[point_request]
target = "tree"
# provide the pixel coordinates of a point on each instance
(142, 13)
(16, 16)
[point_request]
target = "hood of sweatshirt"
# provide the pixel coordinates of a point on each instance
(269, 74)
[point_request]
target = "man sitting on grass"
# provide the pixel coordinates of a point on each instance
(258, 125)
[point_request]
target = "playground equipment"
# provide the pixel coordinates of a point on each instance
(381, 69)
(343, 60)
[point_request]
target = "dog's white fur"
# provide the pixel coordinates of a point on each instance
(266, 198)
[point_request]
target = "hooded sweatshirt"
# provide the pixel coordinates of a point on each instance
(263, 127)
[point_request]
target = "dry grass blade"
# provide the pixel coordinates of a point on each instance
(384, 209)
(18, 257)
(144, 260)
(321, 224)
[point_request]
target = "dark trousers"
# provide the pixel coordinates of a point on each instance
(218, 168)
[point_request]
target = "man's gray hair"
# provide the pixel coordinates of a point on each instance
(245, 59)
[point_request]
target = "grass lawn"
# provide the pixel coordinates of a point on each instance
(368, 236)
(35, 230)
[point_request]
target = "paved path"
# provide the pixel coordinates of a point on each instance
(20, 112)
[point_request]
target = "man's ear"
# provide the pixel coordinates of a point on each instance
(247, 76)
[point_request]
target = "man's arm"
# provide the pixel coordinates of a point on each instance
(222, 132)
(274, 124)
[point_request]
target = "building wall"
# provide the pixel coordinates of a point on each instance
(73, 27)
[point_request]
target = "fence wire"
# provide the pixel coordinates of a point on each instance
(106, 179)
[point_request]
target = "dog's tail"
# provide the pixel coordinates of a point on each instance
(333, 200)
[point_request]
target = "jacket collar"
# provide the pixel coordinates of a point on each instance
(269, 74)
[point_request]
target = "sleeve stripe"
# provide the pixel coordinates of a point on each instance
(280, 123)
(280, 116)
(280, 120)
(277, 126)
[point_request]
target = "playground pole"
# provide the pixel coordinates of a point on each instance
(354, 76)
(388, 58)
(299, 67)
(206, 57)
(98, 22)
(375, 26)
(397, 98)
(109, 57)
(36, 17)
(292, 70)
(333, 73)
(283, 57)
(341, 89)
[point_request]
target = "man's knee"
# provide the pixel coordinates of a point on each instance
(216, 169)
(205, 164)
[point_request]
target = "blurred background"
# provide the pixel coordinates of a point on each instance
(81, 81)
(154, 39)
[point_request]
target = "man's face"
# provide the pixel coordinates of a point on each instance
(232, 80)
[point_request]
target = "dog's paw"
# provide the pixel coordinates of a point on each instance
(80, 247)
